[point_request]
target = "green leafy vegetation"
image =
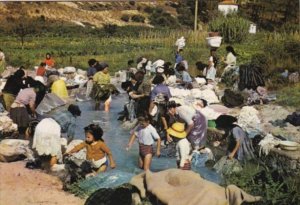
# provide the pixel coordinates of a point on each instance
(274, 187)
(233, 28)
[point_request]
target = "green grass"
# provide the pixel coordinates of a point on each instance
(289, 96)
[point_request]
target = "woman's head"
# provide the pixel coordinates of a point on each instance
(158, 79)
(180, 67)
(74, 110)
(139, 76)
(93, 133)
(42, 64)
(171, 106)
(20, 73)
(92, 62)
(225, 122)
(48, 55)
(230, 49)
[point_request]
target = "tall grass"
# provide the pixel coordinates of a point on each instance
(152, 44)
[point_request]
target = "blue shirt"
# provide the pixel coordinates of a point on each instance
(66, 121)
(186, 77)
(178, 58)
(91, 71)
(161, 88)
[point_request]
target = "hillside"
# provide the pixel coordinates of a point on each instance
(80, 13)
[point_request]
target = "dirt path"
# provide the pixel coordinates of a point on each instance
(22, 186)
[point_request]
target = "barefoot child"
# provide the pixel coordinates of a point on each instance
(96, 149)
(146, 135)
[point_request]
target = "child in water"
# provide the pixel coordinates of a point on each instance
(97, 151)
(146, 135)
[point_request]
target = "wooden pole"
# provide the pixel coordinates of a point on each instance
(196, 15)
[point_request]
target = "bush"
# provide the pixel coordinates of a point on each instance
(132, 3)
(138, 18)
(163, 19)
(110, 29)
(233, 28)
(149, 9)
(125, 18)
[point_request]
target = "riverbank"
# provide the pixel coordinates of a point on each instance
(23, 186)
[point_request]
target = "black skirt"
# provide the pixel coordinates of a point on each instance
(19, 115)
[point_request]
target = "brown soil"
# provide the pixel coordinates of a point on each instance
(22, 186)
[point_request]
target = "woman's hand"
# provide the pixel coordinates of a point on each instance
(128, 147)
(169, 139)
(216, 143)
(230, 156)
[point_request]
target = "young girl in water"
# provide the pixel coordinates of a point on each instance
(146, 135)
(97, 151)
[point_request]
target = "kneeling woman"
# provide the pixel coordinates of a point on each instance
(239, 144)
(97, 150)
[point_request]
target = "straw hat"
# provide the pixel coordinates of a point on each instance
(177, 130)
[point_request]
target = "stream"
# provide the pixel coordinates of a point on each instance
(117, 138)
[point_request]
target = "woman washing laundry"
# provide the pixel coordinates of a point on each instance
(196, 126)
(160, 93)
(102, 89)
(239, 144)
(142, 94)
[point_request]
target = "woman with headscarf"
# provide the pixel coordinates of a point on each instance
(239, 144)
(12, 87)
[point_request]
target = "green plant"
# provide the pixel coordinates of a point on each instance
(125, 18)
(138, 18)
(233, 29)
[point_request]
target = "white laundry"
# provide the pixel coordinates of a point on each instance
(249, 121)
(7, 125)
(47, 138)
(267, 143)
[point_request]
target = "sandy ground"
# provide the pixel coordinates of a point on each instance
(22, 186)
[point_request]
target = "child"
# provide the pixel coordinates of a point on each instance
(146, 135)
(183, 147)
(96, 149)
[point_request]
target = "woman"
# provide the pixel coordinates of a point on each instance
(58, 86)
(210, 71)
(160, 93)
(49, 61)
(239, 144)
(196, 128)
(18, 111)
(182, 75)
(230, 59)
(102, 89)
(142, 95)
(170, 117)
(12, 87)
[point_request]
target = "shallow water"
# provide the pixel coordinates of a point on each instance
(117, 138)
